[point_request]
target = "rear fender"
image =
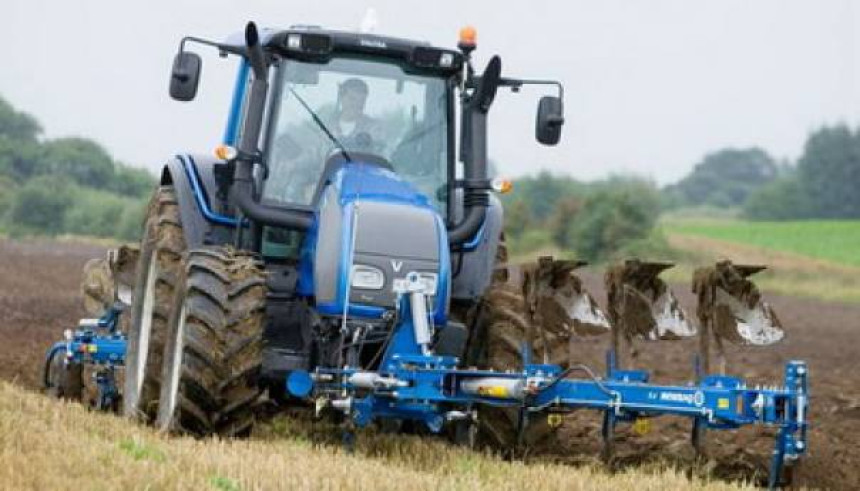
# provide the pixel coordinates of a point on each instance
(473, 267)
(193, 180)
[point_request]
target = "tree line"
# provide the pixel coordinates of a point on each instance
(596, 221)
(616, 217)
(822, 184)
(72, 185)
(65, 185)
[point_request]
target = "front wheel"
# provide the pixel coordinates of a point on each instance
(160, 259)
(61, 379)
(213, 354)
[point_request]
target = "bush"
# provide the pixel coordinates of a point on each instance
(783, 199)
(48, 205)
(542, 192)
(20, 160)
(65, 185)
(103, 214)
(517, 218)
(40, 206)
(621, 212)
(83, 160)
(531, 240)
(131, 222)
(560, 222)
(7, 194)
(129, 181)
(654, 247)
(94, 213)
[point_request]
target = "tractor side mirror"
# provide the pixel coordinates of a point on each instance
(185, 76)
(550, 118)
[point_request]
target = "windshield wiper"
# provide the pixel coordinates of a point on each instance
(322, 125)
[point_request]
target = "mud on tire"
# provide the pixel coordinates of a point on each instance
(158, 266)
(213, 354)
(63, 381)
(504, 320)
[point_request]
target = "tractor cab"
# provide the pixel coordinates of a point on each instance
(315, 109)
(352, 106)
(304, 94)
(328, 92)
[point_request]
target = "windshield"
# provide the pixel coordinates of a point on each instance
(361, 106)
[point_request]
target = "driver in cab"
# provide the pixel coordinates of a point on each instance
(350, 124)
(302, 154)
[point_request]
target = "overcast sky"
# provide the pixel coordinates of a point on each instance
(651, 86)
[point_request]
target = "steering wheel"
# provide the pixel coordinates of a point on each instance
(361, 141)
(410, 154)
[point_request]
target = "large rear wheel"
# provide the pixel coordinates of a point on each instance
(213, 354)
(159, 264)
(505, 320)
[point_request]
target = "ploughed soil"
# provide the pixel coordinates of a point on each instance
(39, 298)
(824, 334)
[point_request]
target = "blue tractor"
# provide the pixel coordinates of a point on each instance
(344, 251)
(338, 178)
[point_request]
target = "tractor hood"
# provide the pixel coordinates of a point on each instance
(371, 227)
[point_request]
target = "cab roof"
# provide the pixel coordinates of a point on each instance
(314, 43)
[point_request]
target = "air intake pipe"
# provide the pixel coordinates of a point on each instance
(243, 178)
(475, 197)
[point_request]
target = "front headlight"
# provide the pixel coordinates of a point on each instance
(367, 277)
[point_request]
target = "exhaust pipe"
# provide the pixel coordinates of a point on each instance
(243, 178)
(475, 198)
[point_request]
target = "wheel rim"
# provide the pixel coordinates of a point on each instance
(145, 330)
(171, 389)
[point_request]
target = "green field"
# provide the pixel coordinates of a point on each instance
(830, 240)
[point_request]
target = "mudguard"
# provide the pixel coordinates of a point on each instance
(193, 180)
(473, 266)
